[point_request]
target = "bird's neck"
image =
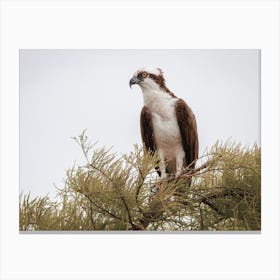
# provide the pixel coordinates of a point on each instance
(157, 100)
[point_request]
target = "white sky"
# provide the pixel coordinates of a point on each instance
(63, 92)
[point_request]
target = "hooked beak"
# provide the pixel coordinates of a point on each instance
(134, 81)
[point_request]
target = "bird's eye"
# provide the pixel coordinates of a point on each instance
(144, 74)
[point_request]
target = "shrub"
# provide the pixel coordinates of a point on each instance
(125, 193)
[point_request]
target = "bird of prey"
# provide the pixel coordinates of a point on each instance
(168, 124)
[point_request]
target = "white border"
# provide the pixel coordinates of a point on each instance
(154, 24)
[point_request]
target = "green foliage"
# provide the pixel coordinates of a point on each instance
(125, 193)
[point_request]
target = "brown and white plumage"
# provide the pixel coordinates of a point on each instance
(168, 124)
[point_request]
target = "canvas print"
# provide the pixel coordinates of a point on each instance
(163, 140)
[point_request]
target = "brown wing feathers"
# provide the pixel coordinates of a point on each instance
(147, 133)
(187, 125)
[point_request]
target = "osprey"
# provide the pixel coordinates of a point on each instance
(168, 124)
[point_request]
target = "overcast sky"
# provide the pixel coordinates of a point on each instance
(63, 92)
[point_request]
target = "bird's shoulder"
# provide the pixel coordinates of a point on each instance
(181, 107)
(145, 112)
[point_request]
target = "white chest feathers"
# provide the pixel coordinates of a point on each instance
(166, 130)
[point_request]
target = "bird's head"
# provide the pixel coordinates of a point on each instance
(149, 79)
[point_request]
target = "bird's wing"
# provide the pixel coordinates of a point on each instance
(147, 131)
(188, 129)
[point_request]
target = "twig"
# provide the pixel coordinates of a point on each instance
(134, 227)
(103, 209)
